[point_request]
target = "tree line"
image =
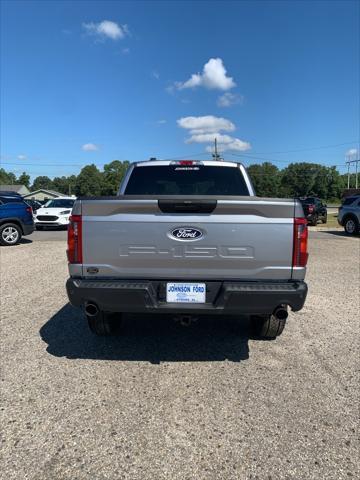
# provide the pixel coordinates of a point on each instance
(296, 179)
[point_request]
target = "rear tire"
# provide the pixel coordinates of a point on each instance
(105, 324)
(268, 326)
(351, 226)
(314, 221)
(10, 234)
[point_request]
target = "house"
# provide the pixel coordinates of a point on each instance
(20, 189)
(43, 195)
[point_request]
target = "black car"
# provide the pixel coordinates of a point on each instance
(34, 204)
(314, 210)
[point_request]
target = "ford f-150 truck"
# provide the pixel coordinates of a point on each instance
(187, 238)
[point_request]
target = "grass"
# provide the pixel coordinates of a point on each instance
(331, 221)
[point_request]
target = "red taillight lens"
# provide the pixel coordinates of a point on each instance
(29, 210)
(300, 254)
(74, 251)
(187, 162)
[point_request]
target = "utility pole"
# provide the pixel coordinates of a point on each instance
(351, 159)
(216, 155)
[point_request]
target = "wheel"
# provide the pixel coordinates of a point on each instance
(351, 225)
(314, 221)
(268, 326)
(325, 218)
(10, 234)
(104, 324)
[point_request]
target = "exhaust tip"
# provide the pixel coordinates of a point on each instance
(281, 313)
(91, 309)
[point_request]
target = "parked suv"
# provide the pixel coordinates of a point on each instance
(314, 210)
(16, 218)
(55, 213)
(349, 214)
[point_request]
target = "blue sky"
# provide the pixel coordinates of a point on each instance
(89, 82)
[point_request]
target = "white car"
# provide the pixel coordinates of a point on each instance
(55, 213)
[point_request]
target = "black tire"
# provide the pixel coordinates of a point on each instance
(325, 218)
(351, 225)
(268, 326)
(10, 234)
(314, 221)
(105, 324)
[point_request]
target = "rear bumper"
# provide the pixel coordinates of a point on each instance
(229, 297)
(28, 228)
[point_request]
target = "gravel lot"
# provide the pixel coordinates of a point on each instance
(168, 402)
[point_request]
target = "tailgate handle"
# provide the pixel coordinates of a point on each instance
(187, 206)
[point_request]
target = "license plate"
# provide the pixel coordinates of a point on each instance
(185, 292)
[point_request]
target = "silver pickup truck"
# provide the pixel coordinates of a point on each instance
(187, 238)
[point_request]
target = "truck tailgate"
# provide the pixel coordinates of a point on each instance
(242, 238)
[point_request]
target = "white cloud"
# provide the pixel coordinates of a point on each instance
(206, 124)
(205, 129)
(235, 144)
(22, 157)
(155, 74)
(213, 77)
(352, 152)
(161, 122)
(228, 99)
(90, 147)
(106, 29)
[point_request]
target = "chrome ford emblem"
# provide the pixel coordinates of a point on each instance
(186, 233)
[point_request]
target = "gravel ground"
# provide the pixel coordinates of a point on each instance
(168, 402)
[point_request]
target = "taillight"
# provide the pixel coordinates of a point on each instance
(186, 162)
(29, 210)
(300, 254)
(74, 251)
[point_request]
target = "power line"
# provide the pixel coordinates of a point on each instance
(309, 149)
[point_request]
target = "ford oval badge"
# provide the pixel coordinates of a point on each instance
(186, 233)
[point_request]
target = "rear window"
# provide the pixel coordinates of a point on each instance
(307, 201)
(349, 200)
(11, 199)
(182, 180)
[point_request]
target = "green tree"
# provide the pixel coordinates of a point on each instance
(113, 174)
(298, 179)
(89, 181)
(42, 182)
(65, 185)
(266, 179)
(7, 178)
(334, 184)
(24, 179)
